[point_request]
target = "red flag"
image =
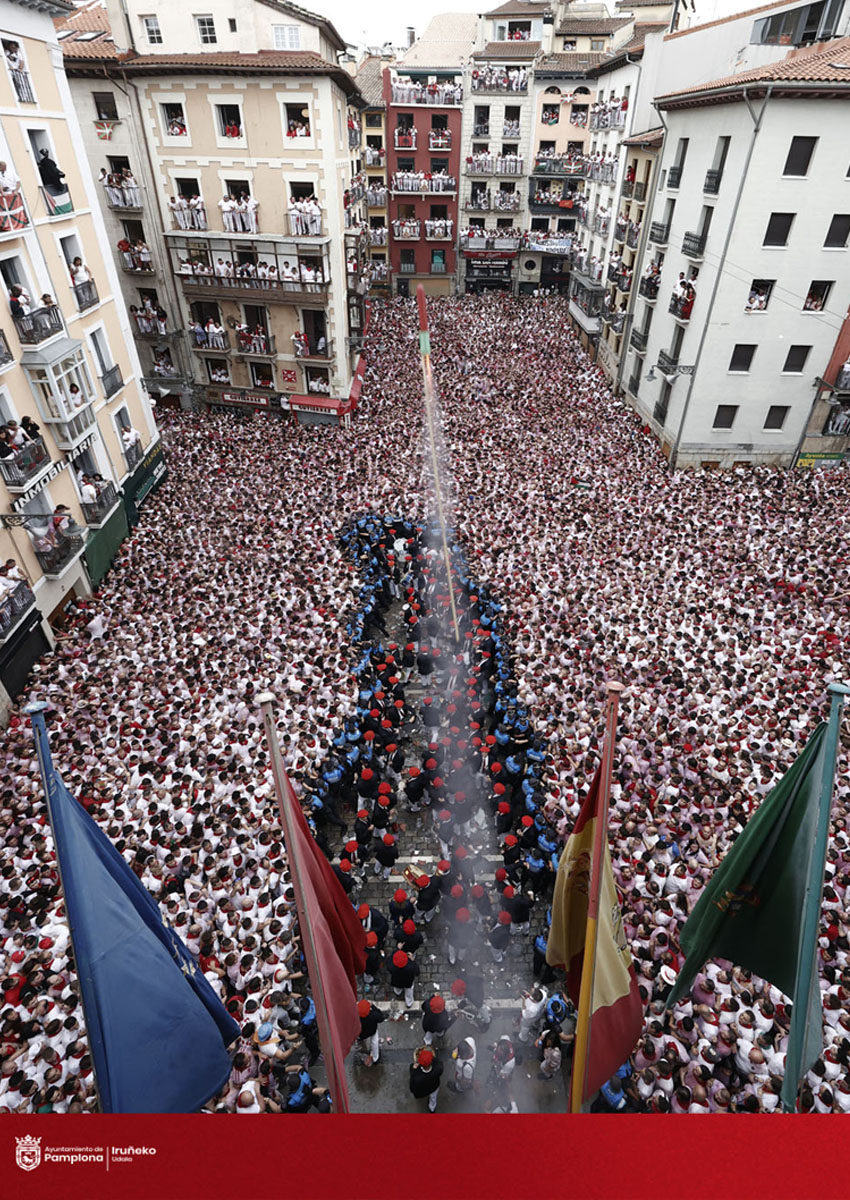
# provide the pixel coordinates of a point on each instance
(333, 943)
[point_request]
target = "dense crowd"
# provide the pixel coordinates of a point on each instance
(719, 599)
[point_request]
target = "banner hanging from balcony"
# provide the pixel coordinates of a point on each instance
(146, 478)
(102, 544)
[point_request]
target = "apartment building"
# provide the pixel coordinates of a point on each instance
(370, 80)
(253, 190)
(70, 377)
(753, 242)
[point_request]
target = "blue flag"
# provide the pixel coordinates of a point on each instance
(157, 1031)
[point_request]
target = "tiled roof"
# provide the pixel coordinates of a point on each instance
(86, 20)
(295, 10)
(636, 41)
(570, 62)
(448, 41)
(370, 79)
(516, 9)
(501, 50)
(650, 139)
(628, 4)
(825, 65)
(591, 25)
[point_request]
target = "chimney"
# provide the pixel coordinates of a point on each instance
(411, 36)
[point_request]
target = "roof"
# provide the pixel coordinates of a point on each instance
(591, 25)
(651, 139)
(636, 41)
(312, 18)
(568, 63)
(739, 16)
(448, 41)
(90, 23)
(517, 9)
(369, 77)
(629, 4)
(501, 50)
(827, 66)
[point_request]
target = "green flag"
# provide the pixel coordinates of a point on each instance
(760, 907)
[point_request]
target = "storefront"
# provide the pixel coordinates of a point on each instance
(485, 272)
(247, 402)
(20, 650)
(146, 478)
(318, 410)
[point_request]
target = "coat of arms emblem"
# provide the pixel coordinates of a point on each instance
(28, 1153)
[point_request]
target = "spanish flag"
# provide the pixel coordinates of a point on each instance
(616, 1012)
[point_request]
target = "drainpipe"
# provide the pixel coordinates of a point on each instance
(757, 120)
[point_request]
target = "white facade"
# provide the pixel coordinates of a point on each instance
(766, 400)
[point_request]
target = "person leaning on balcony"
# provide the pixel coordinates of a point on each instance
(9, 181)
(17, 436)
(31, 428)
(79, 272)
(88, 492)
(19, 301)
(51, 176)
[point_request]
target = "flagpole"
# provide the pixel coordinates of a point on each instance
(807, 956)
(582, 1043)
(35, 712)
(286, 797)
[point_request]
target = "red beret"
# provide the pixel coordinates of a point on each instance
(414, 771)
(400, 895)
(504, 918)
(457, 890)
(477, 891)
(363, 1007)
(443, 866)
(461, 852)
(462, 915)
(371, 938)
(437, 1004)
(495, 768)
(366, 773)
(409, 926)
(431, 764)
(508, 892)
(400, 959)
(490, 740)
(425, 1058)
(422, 881)
(370, 737)
(444, 815)
(389, 840)
(344, 865)
(351, 846)
(391, 747)
(499, 789)
(363, 813)
(384, 788)
(503, 807)
(363, 912)
(374, 712)
(384, 801)
(501, 874)
(527, 821)
(510, 839)
(458, 987)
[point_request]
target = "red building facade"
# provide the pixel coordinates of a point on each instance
(423, 173)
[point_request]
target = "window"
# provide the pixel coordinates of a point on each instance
(799, 156)
(597, 45)
(776, 415)
(438, 262)
(550, 114)
(105, 106)
(742, 357)
(724, 418)
(173, 120)
(298, 120)
(229, 118)
(206, 30)
(795, 360)
(231, 24)
(287, 37)
(101, 350)
(818, 295)
(152, 30)
(778, 228)
(838, 232)
(759, 296)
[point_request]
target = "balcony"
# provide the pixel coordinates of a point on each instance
(499, 164)
(481, 130)
(439, 95)
(607, 119)
(13, 213)
(373, 156)
(477, 204)
(54, 560)
(508, 202)
(638, 341)
(667, 364)
(112, 380)
(354, 137)
(148, 328)
(659, 233)
(681, 307)
(439, 139)
(259, 344)
(21, 468)
(96, 511)
(634, 384)
(376, 197)
(407, 231)
(640, 193)
(633, 237)
(648, 288)
(439, 231)
(121, 203)
(674, 177)
(540, 202)
(6, 355)
(310, 349)
(206, 341)
(218, 287)
(621, 228)
(404, 139)
(560, 165)
(842, 380)
(693, 244)
(712, 182)
(23, 86)
(13, 606)
(543, 243)
(602, 172)
(622, 282)
(132, 454)
(438, 268)
(510, 130)
(407, 268)
(410, 184)
(85, 295)
(627, 188)
(618, 320)
(38, 325)
(68, 432)
(498, 85)
(601, 225)
(304, 224)
(56, 205)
